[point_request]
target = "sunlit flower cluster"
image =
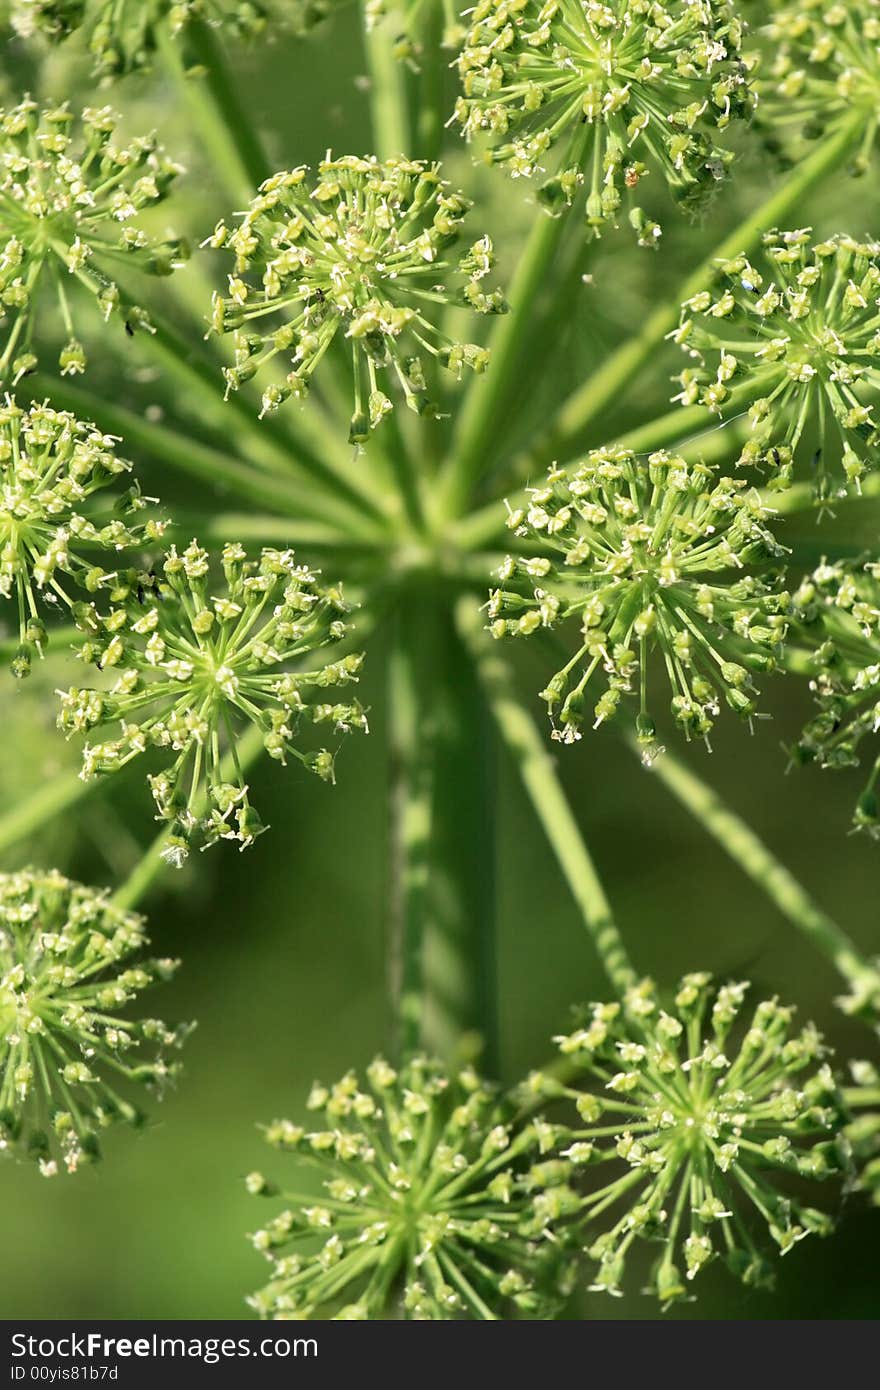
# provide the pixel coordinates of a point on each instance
(69, 967)
(70, 197)
(643, 554)
(692, 1129)
(54, 535)
(363, 253)
(434, 1204)
(600, 94)
(819, 66)
(799, 340)
(193, 659)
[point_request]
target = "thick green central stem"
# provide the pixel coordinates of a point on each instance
(540, 779)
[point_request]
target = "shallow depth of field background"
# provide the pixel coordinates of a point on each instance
(283, 947)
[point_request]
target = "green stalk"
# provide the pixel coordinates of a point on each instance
(430, 106)
(460, 965)
(212, 97)
(535, 766)
(204, 462)
(749, 852)
(388, 104)
(611, 379)
(42, 806)
(411, 758)
(487, 397)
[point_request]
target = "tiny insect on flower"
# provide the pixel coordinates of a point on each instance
(611, 91)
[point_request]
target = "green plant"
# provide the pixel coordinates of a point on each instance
(665, 550)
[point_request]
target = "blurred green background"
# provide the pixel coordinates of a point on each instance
(283, 948)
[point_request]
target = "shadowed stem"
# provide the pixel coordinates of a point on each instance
(411, 758)
(523, 740)
(51, 799)
(749, 852)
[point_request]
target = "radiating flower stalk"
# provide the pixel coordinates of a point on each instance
(694, 1130)
(194, 654)
(70, 966)
(605, 94)
(798, 338)
(363, 252)
(71, 195)
(641, 553)
(434, 1201)
(53, 531)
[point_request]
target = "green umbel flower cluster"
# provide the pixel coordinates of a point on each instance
(646, 554)
(819, 66)
(610, 92)
(363, 253)
(799, 340)
(69, 968)
(436, 1205)
(692, 1127)
(51, 531)
(70, 196)
(123, 35)
(193, 661)
(838, 611)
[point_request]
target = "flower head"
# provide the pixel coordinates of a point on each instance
(432, 1195)
(68, 969)
(123, 35)
(820, 66)
(837, 608)
(611, 90)
(70, 196)
(642, 554)
(52, 532)
(863, 1131)
(800, 341)
(193, 660)
(693, 1127)
(363, 252)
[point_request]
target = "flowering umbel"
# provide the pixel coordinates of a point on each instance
(837, 608)
(799, 340)
(123, 35)
(435, 1204)
(193, 659)
(645, 553)
(70, 196)
(819, 67)
(691, 1127)
(52, 532)
(364, 253)
(609, 92)
(69, 967)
